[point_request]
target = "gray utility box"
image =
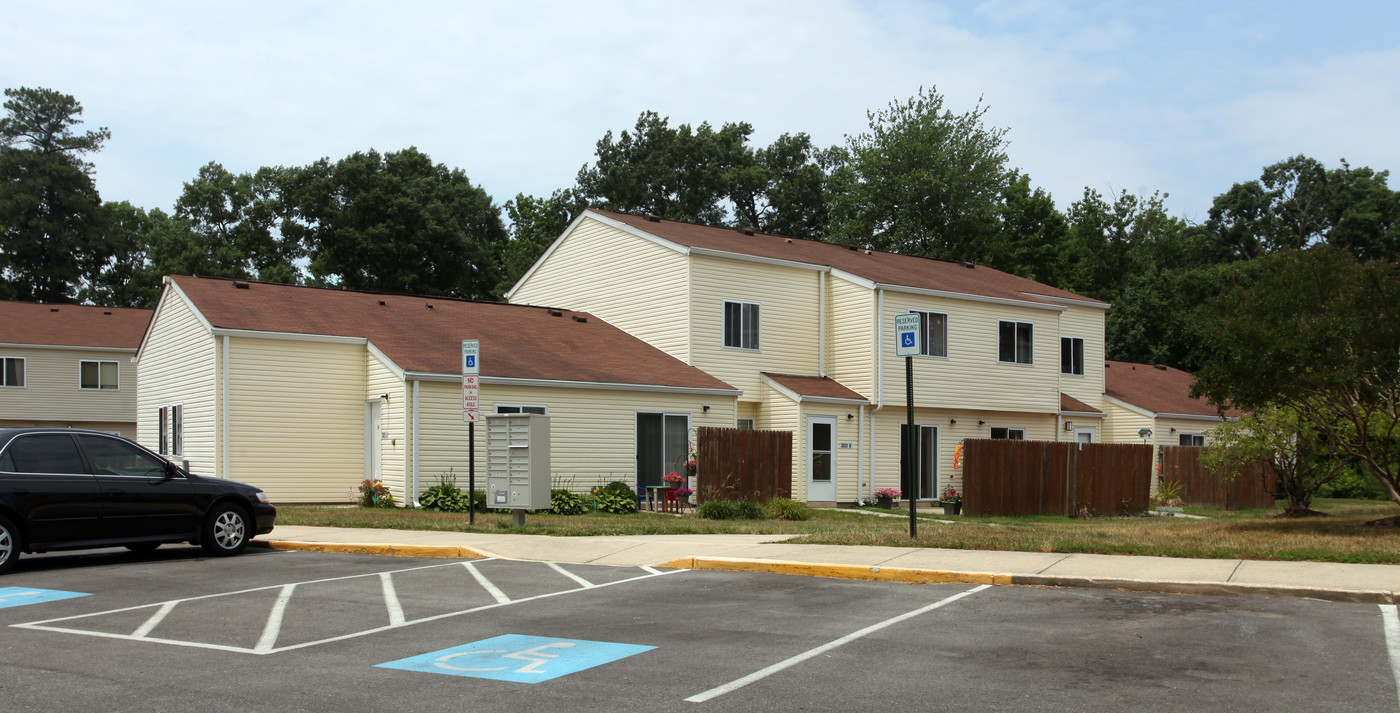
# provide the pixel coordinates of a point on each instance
(517, 461)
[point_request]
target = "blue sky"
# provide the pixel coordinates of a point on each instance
(1180, 97)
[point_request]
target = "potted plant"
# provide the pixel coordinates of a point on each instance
(673, 479)
(690, 467)
(952, 501)
(683, 495)
(885, 497)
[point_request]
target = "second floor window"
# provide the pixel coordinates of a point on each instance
(12, 371)
(933, 327)
(97, 375)
(1014, 342)
(1072, 356)
(741, 325)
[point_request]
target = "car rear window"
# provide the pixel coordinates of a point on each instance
(42, 453)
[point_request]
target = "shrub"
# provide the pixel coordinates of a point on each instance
(445, 496)
(620, 488)
(730, 510)
(566, 502)
(787, 509)
(373, 494)
(620, 503)
(1351, 484)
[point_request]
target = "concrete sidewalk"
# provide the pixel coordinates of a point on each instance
(769, 553)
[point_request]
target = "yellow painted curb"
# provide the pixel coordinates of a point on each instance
(443, 551)
(839, 571)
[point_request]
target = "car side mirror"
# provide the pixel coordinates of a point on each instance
(171, 470)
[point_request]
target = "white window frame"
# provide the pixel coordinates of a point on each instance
(23, 372)
(177, 429)
(744, 424)
(757, 319)
(163, 424)
(1072, 341)
(1182, 435)
(926, 348)
(1015, 344)
(540, 409)
(1009, 430)
(116, 386)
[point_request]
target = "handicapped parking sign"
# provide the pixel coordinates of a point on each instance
(518, 658)
(906, 329)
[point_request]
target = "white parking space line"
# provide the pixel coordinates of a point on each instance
(486, 584)
(391, 599)
(789, 663)
(267, 642)
(273, 627)
(581, 581)
(155, 620)
(1390, 620)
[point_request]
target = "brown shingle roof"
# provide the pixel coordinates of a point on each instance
(516, 341)
(1157, 388)
(879, 267)
(1069, 403)
(815, 386)
(72, 325)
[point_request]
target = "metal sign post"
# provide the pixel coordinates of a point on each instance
(909, 342)
(471, 413)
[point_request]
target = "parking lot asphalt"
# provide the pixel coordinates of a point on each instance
(325, 632)
(770, 553)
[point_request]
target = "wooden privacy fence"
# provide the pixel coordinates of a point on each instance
(1182, 464)
(1004, 477)
(732, 463)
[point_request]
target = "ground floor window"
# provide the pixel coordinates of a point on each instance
(1192, 439)
(1008, 433)
(522, 408)
(745, 424)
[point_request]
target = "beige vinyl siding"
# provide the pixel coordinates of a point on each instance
(1121, 425)
(51, 390)
(1088, 324)
(396, 445)
(779, 413)
(1163, 435)
(179, 365)
(1038, 427)
(748, 409)
(788, 320)
(593, 432)
(970, 376)
(127, 430)
(850, 338)
(296, 417)
(630, 282)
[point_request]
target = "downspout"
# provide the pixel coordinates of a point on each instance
(223, 407)
(879, 379)
(860, 463)
(414, 497)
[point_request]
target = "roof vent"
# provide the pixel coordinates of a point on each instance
(106, 311)
(240, 285)
(968, 264)
(53, 309)
(788, 241)
(746, 231)
(1163, 367)
(580, 318)
(381, 303)
(430, 305)
(852, 247)
(554, 313)
(867, 251)
(652, 217)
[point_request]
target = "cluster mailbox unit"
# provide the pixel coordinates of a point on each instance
(517, 462)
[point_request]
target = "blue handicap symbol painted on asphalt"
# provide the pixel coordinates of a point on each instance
(518, 658)
(908, 339)
(20, 596)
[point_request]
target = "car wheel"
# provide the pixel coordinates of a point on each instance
(9, 544)
(225, 531)
(143, 547)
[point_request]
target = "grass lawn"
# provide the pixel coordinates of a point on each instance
(1245, 534)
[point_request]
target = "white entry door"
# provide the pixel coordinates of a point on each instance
(374, 434)
(821, 458)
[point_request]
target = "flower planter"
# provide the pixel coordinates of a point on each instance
(883, 502)
(952, 507)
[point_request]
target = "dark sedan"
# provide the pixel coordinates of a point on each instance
(68, 489)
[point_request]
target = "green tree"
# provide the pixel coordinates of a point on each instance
(1032, 229)
(534, 224)
(235, 224)
(1302, 458)
(396, 222)
(50, 217)
(129, 277)
(923, 181)
(1317, 333)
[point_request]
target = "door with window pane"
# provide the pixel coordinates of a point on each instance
(821, 459)
(661, 446)
(925, 481)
